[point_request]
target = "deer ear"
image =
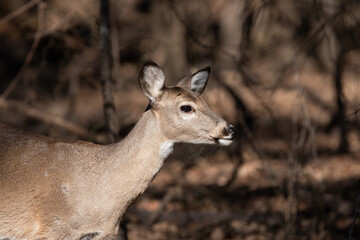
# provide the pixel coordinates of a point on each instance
(152, 80)
(196, 82)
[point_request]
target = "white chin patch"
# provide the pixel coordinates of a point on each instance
(225, 142)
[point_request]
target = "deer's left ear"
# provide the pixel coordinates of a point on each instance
(196, 82)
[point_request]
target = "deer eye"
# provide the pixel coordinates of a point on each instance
(186, 109)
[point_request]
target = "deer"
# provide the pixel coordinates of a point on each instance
(53, 189)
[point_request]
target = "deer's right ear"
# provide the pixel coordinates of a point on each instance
(152, 80)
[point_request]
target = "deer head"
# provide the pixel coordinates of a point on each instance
(182, 113)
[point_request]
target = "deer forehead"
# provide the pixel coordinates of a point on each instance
(178, 94)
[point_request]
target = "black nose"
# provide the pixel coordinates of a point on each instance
(229, 130)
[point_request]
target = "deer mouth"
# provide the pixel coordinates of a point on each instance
(223, 141)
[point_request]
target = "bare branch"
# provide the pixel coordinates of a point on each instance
(19, 11)
(39, 32)
(352, 114)
(29, 111)
(105, 72)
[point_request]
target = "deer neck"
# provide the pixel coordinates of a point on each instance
(138, 159)
(145, 143)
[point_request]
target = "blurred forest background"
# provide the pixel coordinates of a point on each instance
(285, 72)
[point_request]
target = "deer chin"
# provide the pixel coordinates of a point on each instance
(223, 141)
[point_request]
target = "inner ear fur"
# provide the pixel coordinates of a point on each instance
(152, 80)
(196, 82)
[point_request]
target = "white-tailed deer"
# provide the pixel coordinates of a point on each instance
(80, 190)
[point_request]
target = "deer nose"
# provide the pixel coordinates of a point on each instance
(229, 130)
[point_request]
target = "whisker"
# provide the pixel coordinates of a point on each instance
(214, 149)
(198, 153)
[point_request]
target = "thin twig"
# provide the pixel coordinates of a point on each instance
(32, 112)
(19, 11)
(355, 217)
(351, 114)
(64, 20)
(31, 53)
(169, 197)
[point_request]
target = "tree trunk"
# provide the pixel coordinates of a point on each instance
(170, 47)
(108, 85)
(105, 72)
